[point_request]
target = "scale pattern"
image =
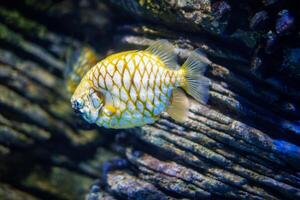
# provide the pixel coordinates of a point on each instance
(137, 84)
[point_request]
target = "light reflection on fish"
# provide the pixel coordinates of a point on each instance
(133, 88)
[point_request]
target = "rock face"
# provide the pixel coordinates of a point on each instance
(244, 144)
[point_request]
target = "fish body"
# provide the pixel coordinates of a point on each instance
(133, 88)
(137, 84)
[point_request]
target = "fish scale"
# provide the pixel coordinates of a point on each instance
(131, 69)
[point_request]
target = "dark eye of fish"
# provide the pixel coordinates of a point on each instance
(77, 104)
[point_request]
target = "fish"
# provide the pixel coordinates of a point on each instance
(132, 88)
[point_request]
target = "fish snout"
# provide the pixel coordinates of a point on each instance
(77, 105)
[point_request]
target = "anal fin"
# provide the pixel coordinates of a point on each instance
(179, 107)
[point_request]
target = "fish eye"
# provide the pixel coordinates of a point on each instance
(77, 104)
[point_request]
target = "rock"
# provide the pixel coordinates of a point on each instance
(130, 187)
(9, 193)
(291, 63)
(235, 144)
(191, 15)
(38, 132)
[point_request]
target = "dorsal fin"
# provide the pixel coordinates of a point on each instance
(165, 51)
(179, 107)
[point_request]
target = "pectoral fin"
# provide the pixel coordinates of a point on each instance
(179, 107)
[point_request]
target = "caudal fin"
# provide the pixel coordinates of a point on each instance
(194, 82)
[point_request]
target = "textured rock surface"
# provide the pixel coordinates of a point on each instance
(244, 144)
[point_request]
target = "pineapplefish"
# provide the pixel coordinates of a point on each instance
(133, 88)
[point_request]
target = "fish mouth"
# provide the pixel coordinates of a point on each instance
(75, 109)
(87, 112)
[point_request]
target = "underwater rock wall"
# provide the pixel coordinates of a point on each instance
(43, 154)
(244, 144)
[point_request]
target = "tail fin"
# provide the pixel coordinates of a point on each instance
(194, 82)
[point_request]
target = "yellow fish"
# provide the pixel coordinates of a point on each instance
(133, 88)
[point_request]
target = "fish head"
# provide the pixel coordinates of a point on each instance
(87, 101)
